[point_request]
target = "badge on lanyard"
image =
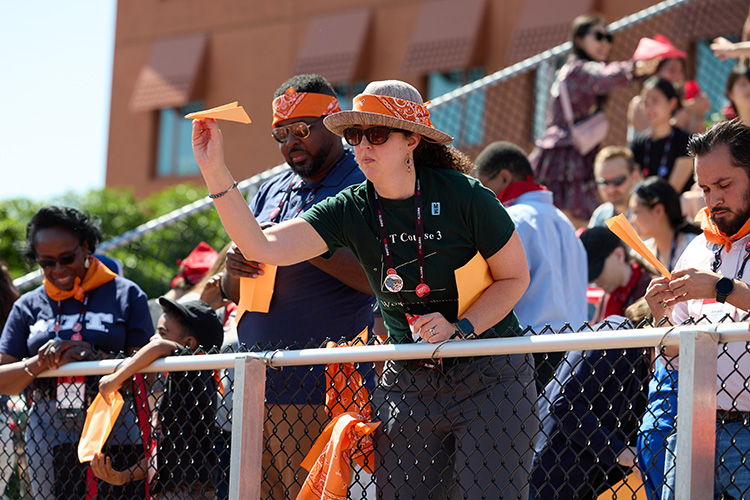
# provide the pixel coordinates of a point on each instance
(393, 282)
(71, 391)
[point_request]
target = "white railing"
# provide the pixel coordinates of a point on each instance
(696, 407)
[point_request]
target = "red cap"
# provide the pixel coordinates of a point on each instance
(659, 46)
(197, 263)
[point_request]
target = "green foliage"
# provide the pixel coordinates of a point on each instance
(150, 260)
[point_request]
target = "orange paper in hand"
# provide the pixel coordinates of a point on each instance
(100, 418)
(256, 293)
(230, 112)
(472, 280)
(620, 225)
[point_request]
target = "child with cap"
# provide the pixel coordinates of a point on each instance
(185, 452)
(612, 268)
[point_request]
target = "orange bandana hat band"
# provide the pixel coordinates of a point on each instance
(292, 104)
(714, 235)
(393, 106)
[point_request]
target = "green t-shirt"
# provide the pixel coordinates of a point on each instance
(460, 218)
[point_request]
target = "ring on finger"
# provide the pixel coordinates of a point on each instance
(664, 304)
(431, 330)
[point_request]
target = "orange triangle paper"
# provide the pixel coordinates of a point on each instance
(620, 225)
(471, 280)
(256, 293)
(100, 418)
(230, 112)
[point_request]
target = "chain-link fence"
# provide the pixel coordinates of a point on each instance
(485, 433)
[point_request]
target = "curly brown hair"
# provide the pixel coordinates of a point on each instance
(430, 154)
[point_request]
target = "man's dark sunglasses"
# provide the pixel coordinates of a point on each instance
(298, 129)
(375, 135)
(64, 260)
(616, 182)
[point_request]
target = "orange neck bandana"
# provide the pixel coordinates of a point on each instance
(97, 275)
(392, 106)
(714, 235)
(293, 104)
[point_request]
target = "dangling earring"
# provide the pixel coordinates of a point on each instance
(87, 262)
(408, 164)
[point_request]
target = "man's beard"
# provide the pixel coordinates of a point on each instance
(732, 224)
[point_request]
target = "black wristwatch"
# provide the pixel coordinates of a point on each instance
(465, 329)
(724, 287)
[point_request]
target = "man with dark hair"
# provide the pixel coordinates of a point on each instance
(312, 301)
(616, 176)
(556, 258)
(711, 283)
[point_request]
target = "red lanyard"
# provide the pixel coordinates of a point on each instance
(393, 282)
(275, 215)
(78, 326)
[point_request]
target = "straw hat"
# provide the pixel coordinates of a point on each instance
(405, 111)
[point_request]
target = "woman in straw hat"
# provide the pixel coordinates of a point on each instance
(416, 219)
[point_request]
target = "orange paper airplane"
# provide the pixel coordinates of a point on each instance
(230, 112)
(620, 225)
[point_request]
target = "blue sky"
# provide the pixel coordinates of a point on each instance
(56, 61)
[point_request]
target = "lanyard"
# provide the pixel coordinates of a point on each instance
(78, 326)
(393, 282)
(673, 250)
(275, 215)
(716, 263)
(664, 156)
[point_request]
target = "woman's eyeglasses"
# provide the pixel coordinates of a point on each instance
(616, 182)
(600, 36)
(375, 135)
(64, 260)
(298, 129)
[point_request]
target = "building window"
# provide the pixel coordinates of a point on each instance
(175, 151)
(462, 118)
(711, 75)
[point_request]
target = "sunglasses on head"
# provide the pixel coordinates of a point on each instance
(298, 129)
(647, 194)
(64, 260)
(600, 36)
(375, 135)
(616, 182)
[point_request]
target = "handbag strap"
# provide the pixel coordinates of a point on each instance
(567, 107)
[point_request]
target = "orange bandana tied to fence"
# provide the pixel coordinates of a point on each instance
(345, 438)
(292, 104)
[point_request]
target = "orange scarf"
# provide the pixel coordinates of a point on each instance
(97, 275)
(714, 235)
(292, 104)
(345, 438)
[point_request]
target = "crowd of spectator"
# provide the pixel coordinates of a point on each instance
(339, 225)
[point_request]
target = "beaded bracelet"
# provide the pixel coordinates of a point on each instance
(219, 195)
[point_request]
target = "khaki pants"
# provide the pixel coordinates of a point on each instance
(289, 432)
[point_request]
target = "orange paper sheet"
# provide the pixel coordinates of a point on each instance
(631, 488)
(256, 293)
(230, 112)
(471, 280)
(100, 418)
(620, 225)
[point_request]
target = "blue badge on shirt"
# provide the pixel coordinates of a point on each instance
(436, 208)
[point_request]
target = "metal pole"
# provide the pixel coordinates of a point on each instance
(248, 413)
(696, 410)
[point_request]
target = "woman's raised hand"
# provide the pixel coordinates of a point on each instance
(208, 144)
(646, 67)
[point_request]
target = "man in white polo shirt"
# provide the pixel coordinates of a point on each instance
(710, 284)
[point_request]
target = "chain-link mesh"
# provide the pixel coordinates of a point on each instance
(482, 430)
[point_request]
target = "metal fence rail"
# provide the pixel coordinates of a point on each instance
(250, 448)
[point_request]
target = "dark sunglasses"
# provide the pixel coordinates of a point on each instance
(603, 36)
(616, 182)
(375, 135)
(298, 129)
(64, 260)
